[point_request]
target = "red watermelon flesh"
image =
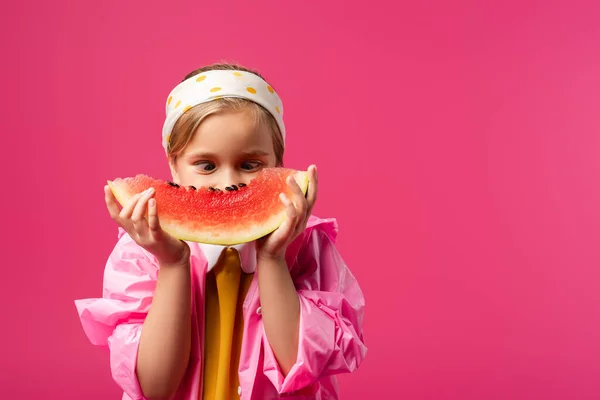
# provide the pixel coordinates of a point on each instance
(224, 217)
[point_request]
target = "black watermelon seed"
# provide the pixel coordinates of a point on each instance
(193, 187)
(228, 188)
(212, 189)
(172, 184)
(242, 185)
(234, 187)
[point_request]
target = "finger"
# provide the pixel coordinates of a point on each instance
(139, 212)
(111, 204)
(153, 222)
(313, 186)
(289, 224)
(127, 210)
(298, 197)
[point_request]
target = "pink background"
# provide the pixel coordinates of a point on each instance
(457, 143)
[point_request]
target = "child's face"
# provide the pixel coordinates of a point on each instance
(227, 149)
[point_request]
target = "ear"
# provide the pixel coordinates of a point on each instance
(173, 167)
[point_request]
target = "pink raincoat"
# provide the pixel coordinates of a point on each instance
(331, 338)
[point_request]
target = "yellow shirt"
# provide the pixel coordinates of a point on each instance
(226, 288)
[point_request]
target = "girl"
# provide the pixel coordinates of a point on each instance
(276, 318)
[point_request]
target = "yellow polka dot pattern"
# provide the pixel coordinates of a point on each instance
(217, 85)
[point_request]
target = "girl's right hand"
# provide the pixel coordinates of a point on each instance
(147, 232)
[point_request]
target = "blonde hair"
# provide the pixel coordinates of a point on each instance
(184, 128)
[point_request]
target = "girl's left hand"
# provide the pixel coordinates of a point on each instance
(298, 210)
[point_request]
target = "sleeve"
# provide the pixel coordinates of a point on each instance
(331, 314)
(115, 320)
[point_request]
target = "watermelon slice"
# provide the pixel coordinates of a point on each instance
(227, 216)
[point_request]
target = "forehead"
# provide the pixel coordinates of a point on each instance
(229, 131)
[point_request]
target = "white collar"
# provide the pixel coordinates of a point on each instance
(247, 252)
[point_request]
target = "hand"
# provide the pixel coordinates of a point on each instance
(147, 232)
(298, 210)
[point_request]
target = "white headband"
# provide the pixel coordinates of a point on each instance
(212, 85)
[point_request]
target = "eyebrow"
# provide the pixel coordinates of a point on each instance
(201, 155)
(256, 152)
(207, 155)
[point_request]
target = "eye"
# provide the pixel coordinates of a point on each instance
(205, 166)
(251, 165)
